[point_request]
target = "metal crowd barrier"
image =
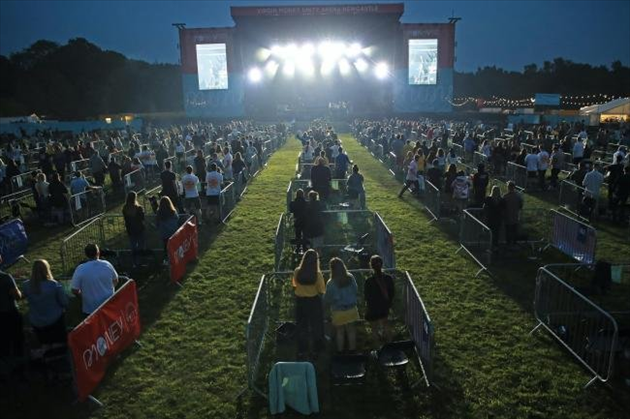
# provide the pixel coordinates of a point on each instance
(274, 305)
(517, 174)
(79, 165)
(86, 205)
(588, 332)
(22, 181)
(432, 200)
(572, 237)
(15, 205)
(134, 181)
(475, 238)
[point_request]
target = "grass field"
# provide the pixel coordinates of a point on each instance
(192, 363)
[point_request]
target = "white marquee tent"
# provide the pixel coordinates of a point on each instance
(615, 109)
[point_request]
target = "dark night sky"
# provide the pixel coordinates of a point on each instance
(508, 34)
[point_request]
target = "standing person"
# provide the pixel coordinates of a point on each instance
(200, 165)
(379, 298)
(94, 280)
(512, 205)
(412, 177)
(192, 202)
(58, 198)
(115, 173)
(461, 191)
(578, 151)
(47, 302)
(622, 192)
(320, 179)
(133, 214)
(98, 167)
(12, 342)
(592, 183)
(531, 163)
(341, 164)
(557, 164)
(167, 222)
(613, 174)
(480, 182)
(543, 164)
(493, 207)
(341, 296)
(309, 286)
(169, 184)
(298, 208)
(314, 226)
(356, 190)
(214, 180)
(227, 164)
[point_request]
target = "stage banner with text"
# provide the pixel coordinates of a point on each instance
(96, 341)
(182, 248)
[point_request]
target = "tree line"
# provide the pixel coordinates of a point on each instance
(79, 80)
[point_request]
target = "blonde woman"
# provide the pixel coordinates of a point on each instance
(341, 296)
(47, 303)
(308, 282)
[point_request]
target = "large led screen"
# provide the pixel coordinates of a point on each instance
(212, 66)
(423, 60)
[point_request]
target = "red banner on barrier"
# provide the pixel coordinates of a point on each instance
(96, 341)
(182, 248)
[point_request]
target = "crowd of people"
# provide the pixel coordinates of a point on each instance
(443, 152)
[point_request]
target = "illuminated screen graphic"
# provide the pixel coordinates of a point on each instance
(423, 59)
(212, 67)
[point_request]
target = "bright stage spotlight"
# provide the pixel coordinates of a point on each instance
(291, 52)
(344, 67)
(254, 75)
(288, 69)
(307, 50)
(354, 49)
(381, 71)
(331, 50)
(361, 65)
(307, 67)
(327, 67)
(271, 68)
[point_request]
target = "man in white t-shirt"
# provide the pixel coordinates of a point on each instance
(412, 177)
(334, 149)
(578, 151)
(593, 181)
(192, 203)
(94, 280)
(543, 164)
(214, 180)
(227, 163)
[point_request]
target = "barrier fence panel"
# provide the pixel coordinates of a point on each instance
(420, 327)
(151, 195)
(476, 238)
(82, 164)
(431, 199)
(255, 334)
(22, 181)
(517, 174)
(279, 241)
(589, 333)
(571, 198)
(384, 242)
(480, 158)
(572, 237)
(20, 204)
(134, 181)
(86, 205)
(98, 340)
(227, 201)
(73, 247)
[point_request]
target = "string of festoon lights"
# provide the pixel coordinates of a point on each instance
(570, 100)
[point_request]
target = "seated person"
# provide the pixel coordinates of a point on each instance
(94, 280)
